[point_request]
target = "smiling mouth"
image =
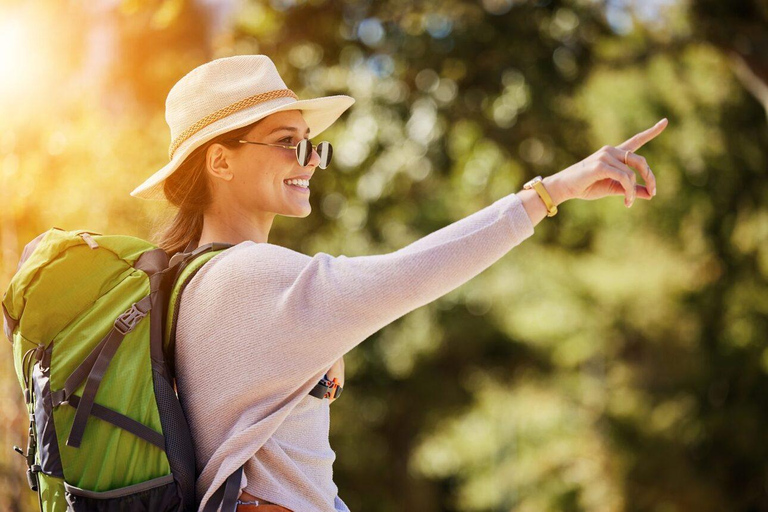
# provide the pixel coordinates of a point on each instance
(297, 187)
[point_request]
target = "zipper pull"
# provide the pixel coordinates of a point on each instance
(89, 240)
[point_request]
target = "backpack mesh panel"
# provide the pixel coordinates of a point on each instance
(178, 439)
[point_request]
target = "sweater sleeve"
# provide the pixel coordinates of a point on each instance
(323, 306)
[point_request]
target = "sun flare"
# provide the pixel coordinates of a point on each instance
(21, 64)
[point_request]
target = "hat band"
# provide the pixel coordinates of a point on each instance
(224, 112)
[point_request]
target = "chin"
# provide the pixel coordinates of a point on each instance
(300, 215)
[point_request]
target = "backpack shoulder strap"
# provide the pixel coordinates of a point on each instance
(188, 264)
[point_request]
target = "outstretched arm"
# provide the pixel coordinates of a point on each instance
(297, 315)
(305, 312)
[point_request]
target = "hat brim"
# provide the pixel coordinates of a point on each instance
(318, 113)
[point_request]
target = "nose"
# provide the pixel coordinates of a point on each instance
(314, 160)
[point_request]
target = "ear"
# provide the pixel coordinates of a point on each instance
(217, 163)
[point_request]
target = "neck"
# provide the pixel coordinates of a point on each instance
(231, 226)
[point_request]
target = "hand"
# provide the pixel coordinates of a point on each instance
(604, 173)
(337, 370)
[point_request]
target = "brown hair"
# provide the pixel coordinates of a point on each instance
(188, 189)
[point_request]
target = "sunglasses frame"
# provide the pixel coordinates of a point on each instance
(313, 147)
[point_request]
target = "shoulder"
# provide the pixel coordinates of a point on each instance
(248, 256)
(247, 260)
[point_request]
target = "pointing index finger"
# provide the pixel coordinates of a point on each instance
(637, 141)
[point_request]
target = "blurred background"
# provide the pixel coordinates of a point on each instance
(615, 361)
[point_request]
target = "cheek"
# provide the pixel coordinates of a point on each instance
(261, 186)
(251, 185)
(285, 157)
(262, 182)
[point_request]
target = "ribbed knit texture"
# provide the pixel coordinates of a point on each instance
(260, 324)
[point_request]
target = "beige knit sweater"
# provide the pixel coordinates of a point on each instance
(260, 324)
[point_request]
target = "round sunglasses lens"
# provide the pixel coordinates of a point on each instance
(304, 151)
(325, 150)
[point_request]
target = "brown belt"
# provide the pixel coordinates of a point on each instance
(261, 508)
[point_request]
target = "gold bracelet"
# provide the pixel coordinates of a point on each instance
(538, 185)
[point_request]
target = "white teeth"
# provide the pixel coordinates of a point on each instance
(301, 183)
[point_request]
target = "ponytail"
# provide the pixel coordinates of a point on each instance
(189, 189)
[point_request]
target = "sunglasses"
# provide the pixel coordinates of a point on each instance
(304, 151)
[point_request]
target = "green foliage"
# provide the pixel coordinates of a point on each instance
(616, 360)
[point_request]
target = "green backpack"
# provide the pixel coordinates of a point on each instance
(91, 319)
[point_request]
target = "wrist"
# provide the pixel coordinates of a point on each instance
(554, 188)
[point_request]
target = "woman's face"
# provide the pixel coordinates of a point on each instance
(254, 175)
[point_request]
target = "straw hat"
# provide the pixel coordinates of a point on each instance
(230, 93)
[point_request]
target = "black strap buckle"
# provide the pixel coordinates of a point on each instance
(32, 476)
(126, 322)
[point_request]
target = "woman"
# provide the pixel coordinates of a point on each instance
(260, 324)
